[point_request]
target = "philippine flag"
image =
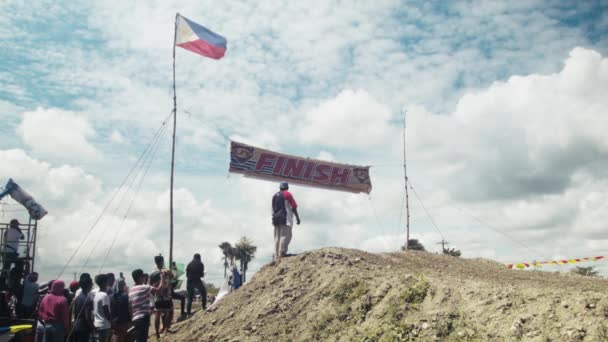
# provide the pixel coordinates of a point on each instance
(199, 39)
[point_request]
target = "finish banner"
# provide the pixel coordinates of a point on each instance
(258, 163)
(523, 265)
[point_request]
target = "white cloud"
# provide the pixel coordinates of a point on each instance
(526, 155)
(592, 214)
(75, 199)
(527, 136)
(522, 153)
(443, 149)
(65, 185)
(352, 120)
(262, 139)
(117, 137)
(324, 155)
(58, 134)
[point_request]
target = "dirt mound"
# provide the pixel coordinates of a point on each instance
(335, 294)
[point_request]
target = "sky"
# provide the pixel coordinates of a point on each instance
(504, 104)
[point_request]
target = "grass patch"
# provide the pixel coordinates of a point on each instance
(602, 333)
(349, 305)
(348, 291)
(416, 293)
(409, 298)
(445, 326)
(320, 324)
(388, 333)
(394, 328)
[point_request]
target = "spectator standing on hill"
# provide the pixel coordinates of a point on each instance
(194, 272)
(101, 310)
(30, 296)
(140, 296)
(121, 318)
(53, 313)
(163, 304)
(82, 311)
(284, 207)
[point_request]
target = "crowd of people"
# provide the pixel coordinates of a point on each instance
(103, 308)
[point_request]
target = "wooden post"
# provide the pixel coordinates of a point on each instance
(173, 149)
(407, 197)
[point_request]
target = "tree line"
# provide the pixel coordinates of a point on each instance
(242, 251)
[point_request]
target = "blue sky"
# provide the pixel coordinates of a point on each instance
(500, 98)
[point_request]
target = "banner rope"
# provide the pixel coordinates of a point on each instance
(524, 265)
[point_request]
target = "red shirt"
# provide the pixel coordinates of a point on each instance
(54, 306)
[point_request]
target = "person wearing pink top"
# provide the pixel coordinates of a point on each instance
(54, 313)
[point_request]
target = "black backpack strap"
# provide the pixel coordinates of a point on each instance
(277, 205)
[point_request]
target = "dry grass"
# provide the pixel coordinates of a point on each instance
(337, 294)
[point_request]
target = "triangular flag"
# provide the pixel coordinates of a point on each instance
(199, 39)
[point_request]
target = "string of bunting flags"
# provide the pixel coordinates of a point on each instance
(524, 265)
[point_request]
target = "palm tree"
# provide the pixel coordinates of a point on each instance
(244, 252)
(227, 250)
(585, 271)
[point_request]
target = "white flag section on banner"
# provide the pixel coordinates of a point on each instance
(263, 164)
(18, 194)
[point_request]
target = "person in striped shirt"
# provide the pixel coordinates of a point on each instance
(139, 304)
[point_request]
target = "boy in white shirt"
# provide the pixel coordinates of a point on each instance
(101, 310)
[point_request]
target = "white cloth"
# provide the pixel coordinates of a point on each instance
(289, 210)
(224, 290)
(101, 299)
(35, 209)
(11, 240)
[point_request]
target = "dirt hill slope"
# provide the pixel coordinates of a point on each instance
(335, 294)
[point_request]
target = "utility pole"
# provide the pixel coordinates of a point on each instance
(407, 198)
(443, 243)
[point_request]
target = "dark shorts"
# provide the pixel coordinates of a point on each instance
(163, 304)
(140, 329)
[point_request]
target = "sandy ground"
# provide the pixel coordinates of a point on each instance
(337, 294)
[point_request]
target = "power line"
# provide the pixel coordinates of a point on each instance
(427, 212)
(402, 208)
(137, 189)
(154, 141)
(139, 167)
(483, 223)
(443, 243)
(217, 127)
(378, 222)
(88, 233)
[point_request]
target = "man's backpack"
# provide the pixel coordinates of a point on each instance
(279, 212)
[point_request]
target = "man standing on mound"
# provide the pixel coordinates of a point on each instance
(284, 207)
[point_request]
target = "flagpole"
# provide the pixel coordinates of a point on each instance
(407, 197)
(173, 149)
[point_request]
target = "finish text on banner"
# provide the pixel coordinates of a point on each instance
(263, 164)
